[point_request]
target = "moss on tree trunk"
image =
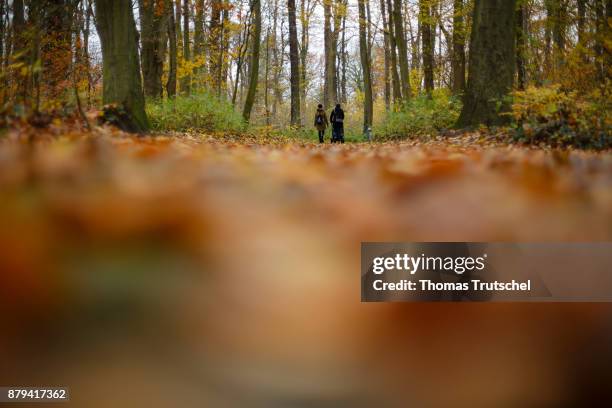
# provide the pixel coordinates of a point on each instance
(121, 67)
(491, 63)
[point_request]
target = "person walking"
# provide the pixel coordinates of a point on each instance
(337, 120)
(321, 122)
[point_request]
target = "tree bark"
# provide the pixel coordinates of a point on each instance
(365, 63)
(172, 51)
(397, 93)
(427, 47)
(152, 23)
(458, 59)
(387, 77)
(402, 50)
(491, 63)
(121, 67)
(521, 47)
(186, 80)
(294, 63)
(329, 96)
(250, 98)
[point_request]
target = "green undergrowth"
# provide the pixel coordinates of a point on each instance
(202, 112)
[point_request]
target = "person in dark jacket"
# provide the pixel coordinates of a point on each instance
(337, 120)
(320, 122)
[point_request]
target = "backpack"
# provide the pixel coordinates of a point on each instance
(319, 120)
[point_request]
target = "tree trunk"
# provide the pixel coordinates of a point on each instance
(250, 98)
(329, 96)
(343, 56)
(214, 44)
(426, 38)
(387, 77)
(397, 93)
(491, 63)
(3, 79)
(121, 68)
(581, 21)
(521, 47)
(20, 48)
(152, 24)
(294, 63)
(365, 63)
(266, 81)
(402, 50)
(458, 61)
(186, 80)
(172, 51)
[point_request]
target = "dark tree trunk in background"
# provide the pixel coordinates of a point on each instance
(395, 83)
(294, 62)
(491, 63)
(172, 51)
(581, 4)
(3, 78)
(152, 24)
(121, 67)
(458, 61)
(387, 77)
(20, 46)
(254, 71)
(365, 64)
(214, 45)
(54, 21)
(402, 50)
(343, 93)
(521, 46)
(186, 80)
(198, 39)
(329, 90)
(426, 38)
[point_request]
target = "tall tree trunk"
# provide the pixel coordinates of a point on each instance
(387, 77)
(198, 41)
(172, 51)
(458, 61)
(152, 23)
(186, 80)
(343, 56)
(427, 46)
(20, 49)
(397, 93)
(521, 46)
(491, 63)
(329, 96)
(225, 39)
(120, 67)
(214, 43)
(250, 98)
(3, 78)
(266, 80)
(54, 22)
(581, 20)
(365, 63)
(294, 62)
(402, 50)
(304, 23)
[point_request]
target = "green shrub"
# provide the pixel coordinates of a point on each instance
(201, 112)
(548, 115)
(421, 116)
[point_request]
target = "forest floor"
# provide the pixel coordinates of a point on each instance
(261, 235)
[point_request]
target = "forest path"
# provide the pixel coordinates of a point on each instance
(240, 261)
